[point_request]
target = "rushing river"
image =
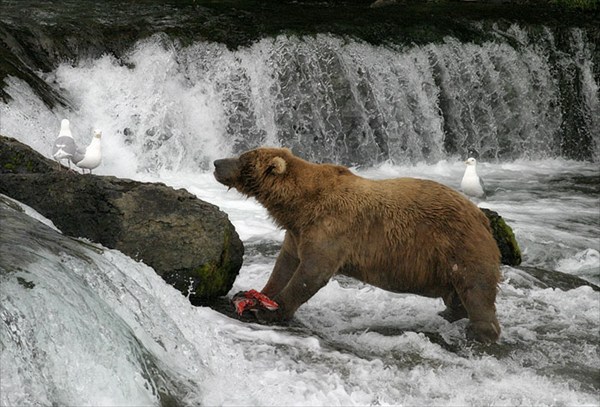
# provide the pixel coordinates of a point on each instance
(84, 325)
(101, 329)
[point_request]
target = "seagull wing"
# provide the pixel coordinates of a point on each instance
(63, 147)
(78, 155)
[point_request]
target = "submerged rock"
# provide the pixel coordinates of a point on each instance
(190, 243)
(530, 277)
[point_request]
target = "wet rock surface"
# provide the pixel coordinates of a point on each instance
(505, 238)
(190, 243)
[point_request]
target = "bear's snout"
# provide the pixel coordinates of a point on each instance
(226, 170)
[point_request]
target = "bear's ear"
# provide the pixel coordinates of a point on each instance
(278, 165)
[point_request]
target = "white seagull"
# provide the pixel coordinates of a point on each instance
(471, 184)
(64, 147)
(92, 157)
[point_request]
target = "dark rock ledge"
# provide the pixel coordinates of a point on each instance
(191, 244)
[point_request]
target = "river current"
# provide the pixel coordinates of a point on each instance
(84, 325)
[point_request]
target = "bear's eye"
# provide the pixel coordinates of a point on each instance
(246, 161)
(247, 156)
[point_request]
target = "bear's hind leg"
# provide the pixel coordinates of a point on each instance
(478, 296)
(483, 326)
(454, 308)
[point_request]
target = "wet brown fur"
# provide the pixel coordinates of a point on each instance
(404, 235)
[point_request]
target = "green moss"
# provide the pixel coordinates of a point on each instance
(212, 280)
(14, 160)
(505, 238)
(209, 281)
(231, 269)
(510, 239)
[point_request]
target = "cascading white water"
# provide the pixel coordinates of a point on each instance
(86, 325)
(330, 99)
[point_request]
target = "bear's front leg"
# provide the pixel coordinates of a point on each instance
(285, 266)
(308, 278)
(318, 263)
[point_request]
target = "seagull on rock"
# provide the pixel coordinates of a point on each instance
(92, 157)
(471, 184)
(64, 146)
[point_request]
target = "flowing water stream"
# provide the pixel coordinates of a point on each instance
(84, 325)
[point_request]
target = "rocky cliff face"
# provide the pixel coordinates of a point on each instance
(190, 243)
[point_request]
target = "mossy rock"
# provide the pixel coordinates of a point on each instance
(215, 277)
(189, 242)
(17, 158)
(505, 238)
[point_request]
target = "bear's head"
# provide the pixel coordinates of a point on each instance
(254, 171)
(293, 191)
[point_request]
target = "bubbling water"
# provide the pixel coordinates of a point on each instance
(173, 107)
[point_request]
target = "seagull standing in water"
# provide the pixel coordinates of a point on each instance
(92, 157)
(471, 184)
(64, 147)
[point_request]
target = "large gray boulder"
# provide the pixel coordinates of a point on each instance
(190, 243)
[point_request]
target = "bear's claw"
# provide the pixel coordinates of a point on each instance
(483, 331)
(252, 299)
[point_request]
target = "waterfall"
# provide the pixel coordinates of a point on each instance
(330, 98)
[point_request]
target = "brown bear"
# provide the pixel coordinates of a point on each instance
(404, 235)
